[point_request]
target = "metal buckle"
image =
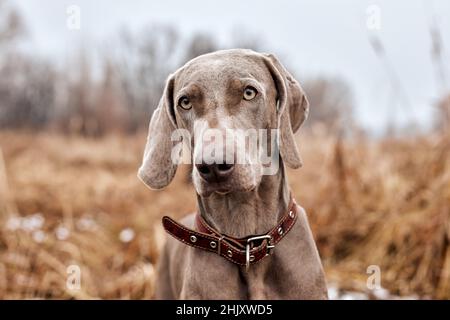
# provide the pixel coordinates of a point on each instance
(269, 247)
(219, 244)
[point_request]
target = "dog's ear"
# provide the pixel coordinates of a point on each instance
(158, 168)
(293, 108)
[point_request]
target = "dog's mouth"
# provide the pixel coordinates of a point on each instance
(224, 180)
(218, 188)
(223, 189)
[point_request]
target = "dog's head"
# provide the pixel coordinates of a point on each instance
(229, 106)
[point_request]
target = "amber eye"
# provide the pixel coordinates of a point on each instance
(250, 93)
(184, 103)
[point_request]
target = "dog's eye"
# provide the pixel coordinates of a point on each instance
(185, 103)
(250, 93)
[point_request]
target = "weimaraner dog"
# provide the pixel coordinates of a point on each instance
(249, 239)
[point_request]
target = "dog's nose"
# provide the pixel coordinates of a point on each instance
(215, 172)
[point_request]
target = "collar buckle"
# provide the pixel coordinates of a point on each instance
(269, 247)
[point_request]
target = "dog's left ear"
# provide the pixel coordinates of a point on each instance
(158, 168)
(293, 108)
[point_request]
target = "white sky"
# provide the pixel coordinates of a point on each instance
(313, 37)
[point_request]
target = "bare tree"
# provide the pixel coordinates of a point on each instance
(142, 64)
(202, 42)
(443, 114)
(11, 24)
(26, 93)
(110, 112)
(199, 44)
(26, 84)
(241, 38)
(331, 103)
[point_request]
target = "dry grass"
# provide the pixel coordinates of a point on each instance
(70, 200)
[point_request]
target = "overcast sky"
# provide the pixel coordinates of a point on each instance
(315, 37)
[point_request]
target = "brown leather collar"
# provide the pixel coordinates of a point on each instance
(241, 251)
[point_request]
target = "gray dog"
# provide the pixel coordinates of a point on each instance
(249, 239)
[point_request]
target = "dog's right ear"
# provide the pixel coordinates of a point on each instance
(158, 168)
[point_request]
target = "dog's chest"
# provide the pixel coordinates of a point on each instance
(208, 276)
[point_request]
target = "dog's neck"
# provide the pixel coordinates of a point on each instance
(241, 214)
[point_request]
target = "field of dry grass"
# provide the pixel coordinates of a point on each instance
(76, 201)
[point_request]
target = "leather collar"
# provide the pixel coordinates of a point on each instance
(241, 251)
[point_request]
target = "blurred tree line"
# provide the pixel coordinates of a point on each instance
(119, 90)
